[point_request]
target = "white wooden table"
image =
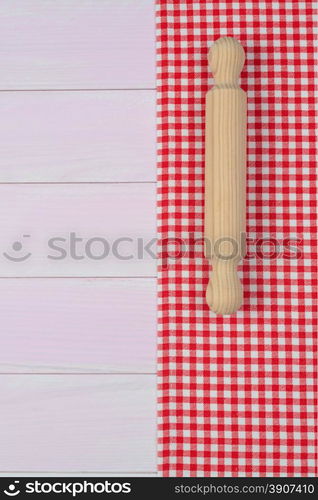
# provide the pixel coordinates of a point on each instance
(77, 154)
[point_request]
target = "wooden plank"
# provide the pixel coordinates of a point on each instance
(71, 44)
(78, 423)
(78, 325)
(34, 216)
(77, 136)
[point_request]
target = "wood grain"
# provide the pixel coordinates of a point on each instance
(77, 136)
(77, 44)
(78, 326)
(78, 423)
(95, 422)
(86, 211)
(225, 173)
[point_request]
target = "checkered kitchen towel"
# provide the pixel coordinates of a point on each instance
(237, 394)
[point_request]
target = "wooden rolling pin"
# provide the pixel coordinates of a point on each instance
(225, 176)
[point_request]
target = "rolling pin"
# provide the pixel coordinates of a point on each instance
(225, 176)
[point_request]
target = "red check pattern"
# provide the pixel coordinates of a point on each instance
(238, 394)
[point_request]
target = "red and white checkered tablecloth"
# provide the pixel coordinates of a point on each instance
(238, 394)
